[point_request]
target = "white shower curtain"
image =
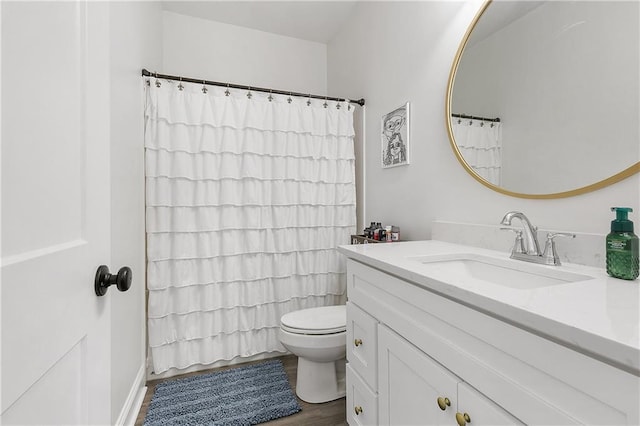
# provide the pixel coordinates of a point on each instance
(480, 143)
(248, 196)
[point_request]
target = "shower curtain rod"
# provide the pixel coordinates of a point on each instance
(146, 73)
(473, 117)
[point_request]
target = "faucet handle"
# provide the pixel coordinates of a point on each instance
(552, 235)
(518, 246)
(550, 254)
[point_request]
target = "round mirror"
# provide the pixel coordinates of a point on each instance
(543, 99)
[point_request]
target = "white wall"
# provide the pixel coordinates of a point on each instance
(135, 44)
(591, 131)
(199, 48)
(391, 52)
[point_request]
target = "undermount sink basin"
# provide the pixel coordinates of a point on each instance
(505, 272)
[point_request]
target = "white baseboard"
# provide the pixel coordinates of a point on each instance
(134, 400)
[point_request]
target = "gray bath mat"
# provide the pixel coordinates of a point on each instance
(240, 396)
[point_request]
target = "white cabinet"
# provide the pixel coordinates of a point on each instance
(428, 347)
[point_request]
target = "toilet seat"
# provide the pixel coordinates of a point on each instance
(316, 321)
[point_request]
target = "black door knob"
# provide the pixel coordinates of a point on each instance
(104, 279)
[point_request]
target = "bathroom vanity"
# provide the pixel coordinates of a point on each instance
(439, 333)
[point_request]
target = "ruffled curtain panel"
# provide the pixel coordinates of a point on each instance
(247, 199)
(480, 143)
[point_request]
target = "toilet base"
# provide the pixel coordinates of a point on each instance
(320, 381)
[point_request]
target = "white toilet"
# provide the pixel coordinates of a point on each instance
(318, 337)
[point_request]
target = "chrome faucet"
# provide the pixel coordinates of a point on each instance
(527, 248)
(531, 245)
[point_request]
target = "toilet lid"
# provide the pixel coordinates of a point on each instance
(323, 320)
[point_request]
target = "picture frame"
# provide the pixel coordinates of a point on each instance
(395, 137)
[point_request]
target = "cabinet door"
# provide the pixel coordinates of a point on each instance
(410, 384)
(480, 410)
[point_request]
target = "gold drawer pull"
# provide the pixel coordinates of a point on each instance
(357, 342)
(443, 403)
(462, 419)
(358, 410)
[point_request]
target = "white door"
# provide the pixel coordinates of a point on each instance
(55, 365)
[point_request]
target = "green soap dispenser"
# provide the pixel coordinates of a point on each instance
(622, 246)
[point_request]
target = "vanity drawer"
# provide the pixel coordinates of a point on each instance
(362, 403)
(362, 343)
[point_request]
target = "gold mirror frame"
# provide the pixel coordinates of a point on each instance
(630, 171)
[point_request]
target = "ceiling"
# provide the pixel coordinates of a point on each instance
(317, 21)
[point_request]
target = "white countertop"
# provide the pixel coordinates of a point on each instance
(599, 317)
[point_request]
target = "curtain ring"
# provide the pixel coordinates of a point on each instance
(459, 121)
(325, 104)
(309, 99)
(338, 105)
(470, 122)
(270, 95)
(289, 98)
(249, 95)
(180, 86)
(204, 87)
(158, 84)
(227, 92)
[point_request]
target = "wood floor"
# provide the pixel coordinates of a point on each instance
(327, 414)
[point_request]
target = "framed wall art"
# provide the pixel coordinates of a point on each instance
(395, 137)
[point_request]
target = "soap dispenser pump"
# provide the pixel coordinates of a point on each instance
(622, 246)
